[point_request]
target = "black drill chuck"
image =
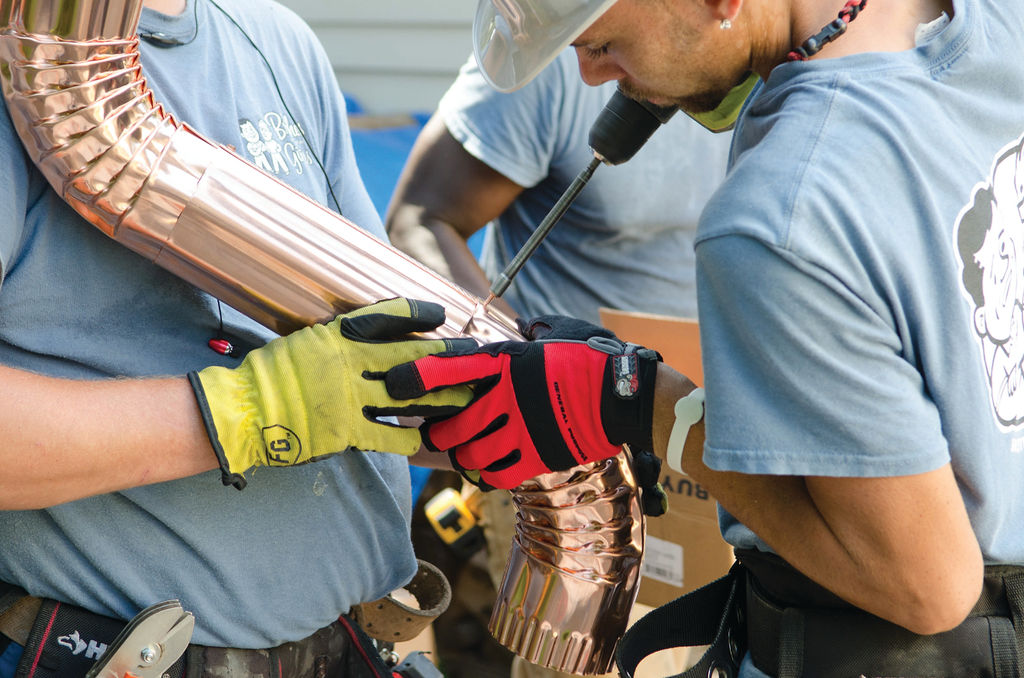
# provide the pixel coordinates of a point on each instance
(624, 126)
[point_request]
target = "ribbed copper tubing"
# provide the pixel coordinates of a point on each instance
(76, 94)
(574, 568)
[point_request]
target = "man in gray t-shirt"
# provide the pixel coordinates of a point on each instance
(110, 497)
(860, 287)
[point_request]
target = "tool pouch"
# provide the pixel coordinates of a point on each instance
(391, 621)
(793, 628)
(800, 629)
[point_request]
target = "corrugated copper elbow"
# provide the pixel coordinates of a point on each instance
(574, 567)
(74, 89)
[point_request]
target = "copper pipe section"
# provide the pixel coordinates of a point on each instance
(75, 91)
(88, 120)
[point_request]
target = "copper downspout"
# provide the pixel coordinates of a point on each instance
(76, 94)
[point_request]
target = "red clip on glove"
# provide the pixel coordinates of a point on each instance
(537, 407)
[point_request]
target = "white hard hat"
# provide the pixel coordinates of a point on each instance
(514, 40)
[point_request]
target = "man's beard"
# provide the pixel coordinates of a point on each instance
(703, 102)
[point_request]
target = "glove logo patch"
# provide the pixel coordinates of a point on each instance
(283, 446)
(625, 372)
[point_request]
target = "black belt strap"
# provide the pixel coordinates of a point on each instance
(791, 644)
(1003, 647)
(66, 640)
(711, 615)
(1014, 584)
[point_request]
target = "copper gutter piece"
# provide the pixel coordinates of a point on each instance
(75, 92)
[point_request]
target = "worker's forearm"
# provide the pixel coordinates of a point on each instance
(901, 548)
(464, 270)
(409, 235)
(433, 460)
(65, 439)
(440, 246)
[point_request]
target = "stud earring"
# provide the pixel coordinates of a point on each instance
(725, 25)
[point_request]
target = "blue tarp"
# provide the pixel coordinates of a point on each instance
(381, 153)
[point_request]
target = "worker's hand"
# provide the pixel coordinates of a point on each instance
(320, 390)
(561, 327)
(646, 465)
(537, 407)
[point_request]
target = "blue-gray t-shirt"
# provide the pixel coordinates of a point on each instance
(298, 546)
(626, 242)
(860, 272)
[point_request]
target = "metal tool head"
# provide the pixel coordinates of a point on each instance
(149, 645)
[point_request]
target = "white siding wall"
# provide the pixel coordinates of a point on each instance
(393, 56)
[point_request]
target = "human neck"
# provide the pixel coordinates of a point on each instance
(883, 26)
(169, 7)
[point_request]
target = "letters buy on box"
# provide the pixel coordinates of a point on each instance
(684, 549)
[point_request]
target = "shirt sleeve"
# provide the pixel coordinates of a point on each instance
(802, 377)
(14, 168)
(514, 133)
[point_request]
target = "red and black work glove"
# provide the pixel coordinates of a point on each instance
(646, 465)
(572, 398)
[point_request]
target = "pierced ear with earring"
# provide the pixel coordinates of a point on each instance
(725, 24)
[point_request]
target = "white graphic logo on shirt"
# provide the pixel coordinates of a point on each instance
(275, 144)
(74, 642)
(990, 238)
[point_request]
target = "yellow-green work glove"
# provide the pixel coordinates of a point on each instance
(320, 390)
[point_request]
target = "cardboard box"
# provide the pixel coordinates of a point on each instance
(684, 549)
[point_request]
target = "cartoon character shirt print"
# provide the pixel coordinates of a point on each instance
(990, 238)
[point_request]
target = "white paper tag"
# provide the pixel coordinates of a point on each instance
(663, 561)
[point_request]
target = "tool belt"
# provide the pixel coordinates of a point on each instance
(64, 641)
(792, 627)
